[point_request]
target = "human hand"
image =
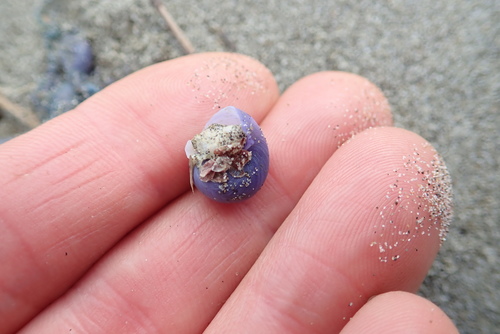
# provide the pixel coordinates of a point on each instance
(101, 232)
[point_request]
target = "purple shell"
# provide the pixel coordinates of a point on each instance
(229, 159)
(76, 55)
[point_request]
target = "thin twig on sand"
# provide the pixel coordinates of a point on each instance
(178, 33)
(25, 116)
(215, 29)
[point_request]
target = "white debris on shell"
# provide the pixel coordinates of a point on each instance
(214, 137)
(216, 150)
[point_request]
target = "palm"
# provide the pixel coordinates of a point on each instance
(98, 214)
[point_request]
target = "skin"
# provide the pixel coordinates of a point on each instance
(102, 234)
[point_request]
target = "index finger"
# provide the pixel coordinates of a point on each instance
(76, 185)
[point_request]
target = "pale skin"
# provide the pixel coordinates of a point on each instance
(102, 234)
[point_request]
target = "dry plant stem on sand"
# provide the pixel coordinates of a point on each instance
(176, 30)
(25, 116)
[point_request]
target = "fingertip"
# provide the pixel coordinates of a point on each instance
(313, 118)
(190, 89)
(400, 312)
(419, 182)
(403, 204)
(360, 102)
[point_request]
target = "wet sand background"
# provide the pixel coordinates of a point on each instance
(437, 62)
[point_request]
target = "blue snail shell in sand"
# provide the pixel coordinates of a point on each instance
(229, 159)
